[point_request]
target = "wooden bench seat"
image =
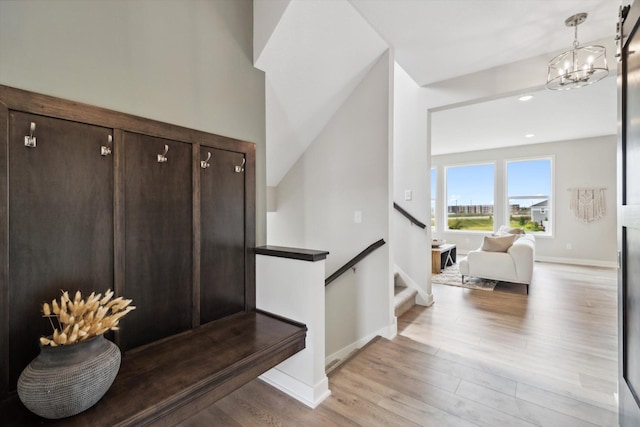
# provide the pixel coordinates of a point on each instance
(167, 381)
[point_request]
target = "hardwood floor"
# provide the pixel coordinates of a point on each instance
(478, 358)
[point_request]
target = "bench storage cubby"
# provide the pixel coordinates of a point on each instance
(94, 199)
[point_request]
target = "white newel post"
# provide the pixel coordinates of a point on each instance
(290, 283)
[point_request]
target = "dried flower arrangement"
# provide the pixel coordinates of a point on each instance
(79, 320)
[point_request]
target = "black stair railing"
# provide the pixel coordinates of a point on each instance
(410, 217)
(354, 261)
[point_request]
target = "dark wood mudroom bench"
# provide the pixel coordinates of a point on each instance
(167, 381)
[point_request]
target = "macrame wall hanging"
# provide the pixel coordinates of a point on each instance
(587, 204)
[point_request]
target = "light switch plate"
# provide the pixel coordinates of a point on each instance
(357, 217)
(408, 195)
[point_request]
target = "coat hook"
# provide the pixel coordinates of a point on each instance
(105, 150)
(241, 167)
(163, 157)
(30, 140)
(205, 163)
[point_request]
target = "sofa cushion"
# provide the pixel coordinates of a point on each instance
(515, 265)
(498, 244)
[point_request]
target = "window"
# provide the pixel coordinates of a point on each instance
(434, 189)
(529, 195)
(470, 197)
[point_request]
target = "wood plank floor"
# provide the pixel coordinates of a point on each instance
(474, 358)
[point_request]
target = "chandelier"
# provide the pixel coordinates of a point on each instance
(577, 67)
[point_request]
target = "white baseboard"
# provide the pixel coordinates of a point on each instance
(388, 332)
(427, 301)
(422, 298)
(311, 396)
(577, 261)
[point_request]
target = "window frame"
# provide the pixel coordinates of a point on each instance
(445, 198)
(551, 197)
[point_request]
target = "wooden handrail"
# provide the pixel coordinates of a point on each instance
(410, 217)
(354, 261)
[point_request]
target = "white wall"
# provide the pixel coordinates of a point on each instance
(267, 15)
(412, 247)
(346, 169)
(295, 289)
(579, 163)
(184, 62)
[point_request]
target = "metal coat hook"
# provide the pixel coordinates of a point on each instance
(205, 163)
(163, 157)
(105, 150)
(30, 140)
(241, 167)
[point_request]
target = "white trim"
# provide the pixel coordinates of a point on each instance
(391, 331)
(388, 332)
(577, 261)
(311, 396)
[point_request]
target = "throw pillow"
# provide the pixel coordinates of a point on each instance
(502, 231)
(498, 244)
(515, 231)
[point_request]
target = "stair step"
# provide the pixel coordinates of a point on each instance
(398, 282)
(405, 298)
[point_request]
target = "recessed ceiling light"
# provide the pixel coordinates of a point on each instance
(530, 135)
(525, 98)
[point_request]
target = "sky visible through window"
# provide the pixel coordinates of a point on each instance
(470, 185)
(529, 178)
(473, 185)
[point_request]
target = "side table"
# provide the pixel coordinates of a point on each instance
(442, 256)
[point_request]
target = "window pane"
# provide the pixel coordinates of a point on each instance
(433, 197)
(470, 197)
(529, 193)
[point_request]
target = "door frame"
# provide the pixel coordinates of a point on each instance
(628, 401)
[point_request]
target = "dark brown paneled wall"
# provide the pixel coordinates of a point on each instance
(222, 253)
(157, 221)
(61, 222)
(173, 236)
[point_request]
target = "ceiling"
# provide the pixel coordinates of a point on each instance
(436, 40)
(315, 52)
(506, 122)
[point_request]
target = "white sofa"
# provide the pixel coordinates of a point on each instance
(515, 265)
